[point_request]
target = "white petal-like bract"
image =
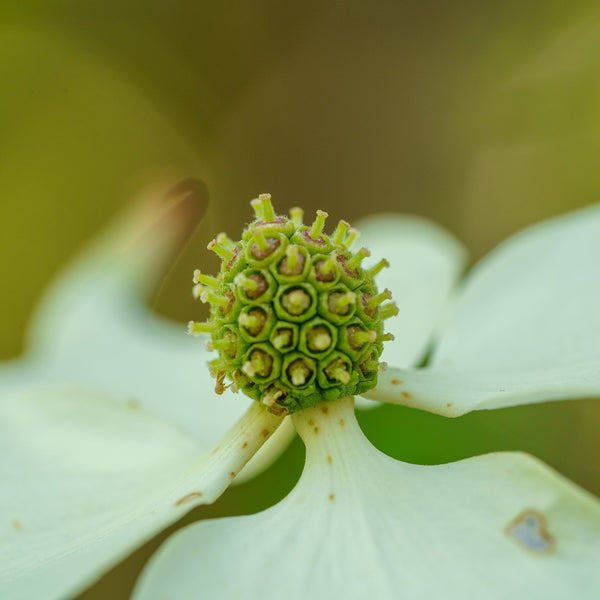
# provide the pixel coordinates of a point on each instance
(93, 327)
(85, 479)
(425, 264)
(524, 329)
(362, 525)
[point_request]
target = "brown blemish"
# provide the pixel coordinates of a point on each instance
(272, 245)
(342, 260)
(261, 288)
(331, 496)
(232, 474)
(320, 276)
(396, 381)
(342, 423)
(16, 525)
(265, 433)
(406, 395)
(329, 459)
(311, 422)
(245, 444)
(324, 409)
(370, 312)
(448, 404)
(316, 430)
(231, 263)
(225, 310)
(254, 330)
(530, 530)
(215, 449)
(286, 270)
(187, 498)
(306, 235)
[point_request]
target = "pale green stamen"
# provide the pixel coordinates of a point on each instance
(257, 205)
(325, 266)
(220, 250)
(246, 282)
(338, 369)
(340, 232)
(296, 302)
(200, 277)
(224, 240)
(197, 290)
(195, 328)
(359, 338)
(382, 264)
(252, 322)
(379, 298)
(355, 260)
(267, 207)
(260, 363)
(339, 302)
(261, 240)
(296, 215)
(388, 310)
(318, 224)
(282, 339)
(292, 257)
(319, 339)
(224, 344)
(209, 296)
(350, 238)
(298, 372)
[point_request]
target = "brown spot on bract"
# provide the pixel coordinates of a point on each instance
(396, 381)
(448, 404)
(325, 409)
(406, 394)
(316, 430)
(329, 459)
(331, 496)
(342, 423)
(16, 525)
(215, 449)
(311, 422)
(188, 498)
(530, 530)
(232, 474)
(265, 433)
(245, 444)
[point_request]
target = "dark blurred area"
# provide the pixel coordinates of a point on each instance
(479, 115)
(482, 116)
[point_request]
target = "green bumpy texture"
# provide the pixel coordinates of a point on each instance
(294, 317)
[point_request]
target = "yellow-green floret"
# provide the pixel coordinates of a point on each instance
(294, 316)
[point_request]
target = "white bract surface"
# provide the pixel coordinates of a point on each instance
(106, 428)
(524, 327)
(425, 265)
(360, 524)
(86, 479)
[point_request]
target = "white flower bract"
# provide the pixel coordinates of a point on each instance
(106, 428)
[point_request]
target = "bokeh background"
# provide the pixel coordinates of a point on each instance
(483, 116)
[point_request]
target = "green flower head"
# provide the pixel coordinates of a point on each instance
(294, 317)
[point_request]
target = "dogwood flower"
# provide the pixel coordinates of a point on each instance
(88, 477)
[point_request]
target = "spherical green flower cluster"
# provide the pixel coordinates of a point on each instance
(294, 317)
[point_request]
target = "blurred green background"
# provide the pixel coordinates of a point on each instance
(482, 116)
